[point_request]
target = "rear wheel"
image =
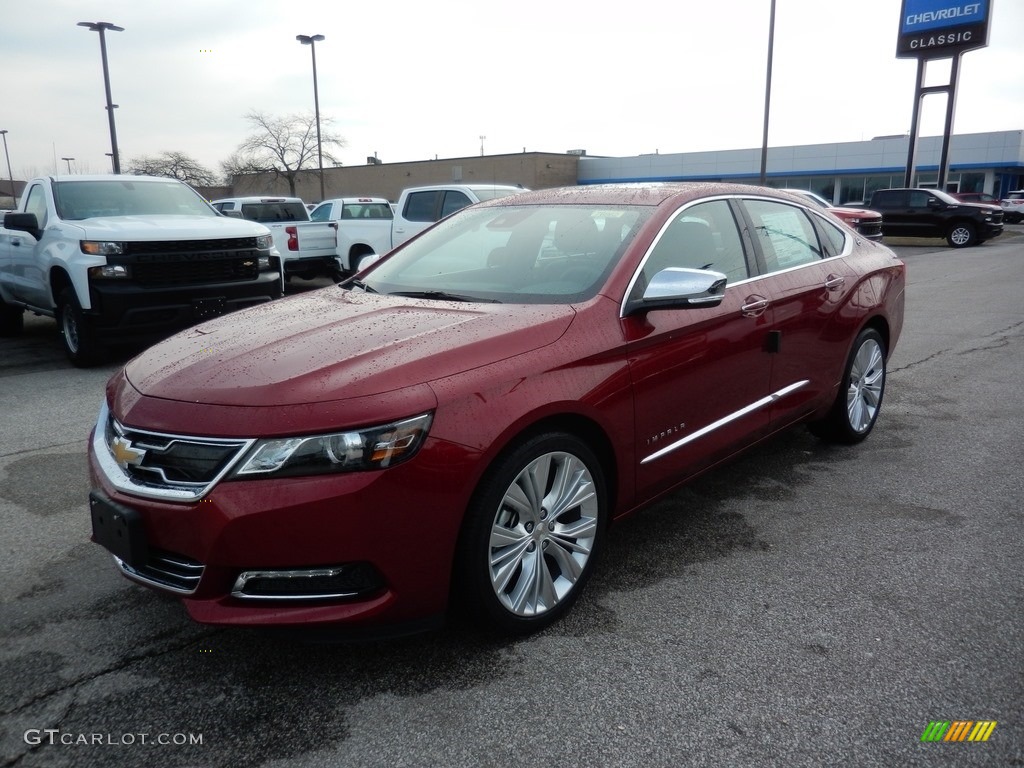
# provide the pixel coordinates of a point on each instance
(961, 235)
(531, 533)
(859, 401)
(81, 342)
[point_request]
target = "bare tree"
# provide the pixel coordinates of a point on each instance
(282, 146)
(174, 165)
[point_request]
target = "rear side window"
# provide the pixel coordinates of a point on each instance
(454, 201)
(889, 198)
(785, 234)
(421, 206)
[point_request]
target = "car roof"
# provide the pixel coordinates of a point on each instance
(633, 193)
(258, 199)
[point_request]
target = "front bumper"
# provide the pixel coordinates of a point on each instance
(390, 535)
(125, 309)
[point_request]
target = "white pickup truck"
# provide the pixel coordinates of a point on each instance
(364, 228)
(419, 207)
(122, 258)
(369, 227)
(309, 249)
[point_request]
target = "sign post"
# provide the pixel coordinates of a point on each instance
(939, 29)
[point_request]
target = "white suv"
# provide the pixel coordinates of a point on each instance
(1013, 206)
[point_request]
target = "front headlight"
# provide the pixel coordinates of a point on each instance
(358, 450)
(108, 272)
(265, 242)
(102, 248)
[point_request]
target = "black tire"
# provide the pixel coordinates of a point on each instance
(859, 400)
(961, 235)
(81, 343)
(12, 319)
(534, 570)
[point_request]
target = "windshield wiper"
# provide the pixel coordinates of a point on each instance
(442, 296)
(352, 281)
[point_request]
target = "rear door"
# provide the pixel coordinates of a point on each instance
(808, 282)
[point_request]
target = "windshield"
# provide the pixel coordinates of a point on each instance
(76, 200)
(520, 254)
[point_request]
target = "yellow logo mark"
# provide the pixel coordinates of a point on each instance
(124, 454)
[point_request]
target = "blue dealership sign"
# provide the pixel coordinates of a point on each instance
(941, 28)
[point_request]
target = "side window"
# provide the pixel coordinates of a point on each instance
(321, 212)
(919, 199)
(835, 238)
(454, 201)
(785, 234)
(36, 204)
(420, 206)
(704, 236)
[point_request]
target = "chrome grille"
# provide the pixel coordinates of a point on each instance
(167, 571)
(159, 465)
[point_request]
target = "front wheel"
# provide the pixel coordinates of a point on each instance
(81, 343)
(531, 533)
(961, 235)
(859, 401)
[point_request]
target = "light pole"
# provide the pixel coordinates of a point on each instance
(311, 41)
(10, 173)
(482, 145)
(101, 27)
(767, 95)
(68, 161)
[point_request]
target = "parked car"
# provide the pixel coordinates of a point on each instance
(470, 412)
(867, 223)
(419, 207)
(1013, 206)
(932, 213)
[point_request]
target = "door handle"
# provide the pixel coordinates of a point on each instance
(834, 282)
(754, 306)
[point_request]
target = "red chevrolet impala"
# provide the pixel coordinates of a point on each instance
(468, 415)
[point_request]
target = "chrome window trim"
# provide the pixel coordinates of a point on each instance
(179, 492)
(764, 401)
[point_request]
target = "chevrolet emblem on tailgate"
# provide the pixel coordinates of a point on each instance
(124, 454)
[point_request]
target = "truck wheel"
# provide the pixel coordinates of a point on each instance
(12, 319)
(80, 341)
(960, 235)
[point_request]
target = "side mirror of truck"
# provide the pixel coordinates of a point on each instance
(23, 222)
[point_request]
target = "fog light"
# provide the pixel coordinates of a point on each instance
(334, 583)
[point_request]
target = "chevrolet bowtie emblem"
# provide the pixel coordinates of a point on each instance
(124, 454)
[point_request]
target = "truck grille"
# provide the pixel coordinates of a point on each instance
(190, 272)
(161, 263)
(871, 228)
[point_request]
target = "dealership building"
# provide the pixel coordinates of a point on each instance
(842, 172)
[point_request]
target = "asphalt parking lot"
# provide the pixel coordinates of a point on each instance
(807, 605)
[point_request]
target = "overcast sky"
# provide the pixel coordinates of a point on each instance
(411, 80)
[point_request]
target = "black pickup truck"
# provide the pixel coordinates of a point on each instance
(932, 213)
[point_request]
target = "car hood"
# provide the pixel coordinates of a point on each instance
(167, 227)
(332, 344)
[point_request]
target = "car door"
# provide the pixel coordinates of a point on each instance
(808, 282)
(23, 274)
(700, 375)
